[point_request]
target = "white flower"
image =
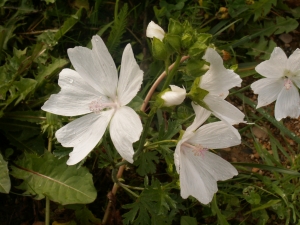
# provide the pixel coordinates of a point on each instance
(174, 97)
(94, 89)
(281, 82)
(198, 168)
(153, 30)
(217, 81)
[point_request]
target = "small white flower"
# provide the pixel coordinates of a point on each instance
(217, 81)
(153, 30)
(281, 82)
(93, 88)
(198, 168)
(174, 97)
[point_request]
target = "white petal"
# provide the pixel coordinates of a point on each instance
(275, 66)
(267, 90)
(125, 128)
(201, 116)
(224, 110)
(96, 67)
(83, 134)
(293, 62)
(218, 80)
(174, 97)
(131, 77)
(216, 135)
(74, 97)
(296, 79)
(287, 103)
(153, 30)
(198, 174)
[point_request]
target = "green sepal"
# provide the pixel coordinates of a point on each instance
(174, 41)
(175, 27)
(159, 102)
(196, 67)
(186, 40)
(198, 49)
(159, 50)
(204, 38)
(197, 94)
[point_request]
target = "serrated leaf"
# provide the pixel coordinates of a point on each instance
(152, 206)
(146, 163)
(262, 8)
(52, 177)
(4, 177)
(68, 24)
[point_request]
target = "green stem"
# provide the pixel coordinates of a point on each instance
(47, 210)
(161, 142)
(172, 73)
(145, 133)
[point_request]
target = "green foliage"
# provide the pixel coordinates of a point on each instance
(146, 163)
(54, 179)
(118, 29)
(151, 207)
(4, 176)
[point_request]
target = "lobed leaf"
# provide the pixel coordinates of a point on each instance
(4, 176)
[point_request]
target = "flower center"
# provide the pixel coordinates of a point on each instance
(287, 83)
(100, 104)
(198, 150)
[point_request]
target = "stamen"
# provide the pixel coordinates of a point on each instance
(198, 150)
(99, 105)
(287, 83)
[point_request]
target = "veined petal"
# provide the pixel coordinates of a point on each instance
(201, 116)
(216, 135)
(83, 134)
(153, 30)
(74, 97)
(218, 80)
(288, 103)
(96, 67)
(296, 80)
(293, 61)
(267, 89)
(275, 66)
(199, 174)
(125, 128)
(131, 77)
(224, 110)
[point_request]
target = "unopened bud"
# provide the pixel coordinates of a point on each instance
(174, 97)
(153, 30)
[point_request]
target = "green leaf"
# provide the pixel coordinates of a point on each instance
(187, 220)
(52, 177)
(262, 8)
(152, 206)
(118, 29)
(86, 217)
(4, 177)
(264, 206)
(68, 24)
(146, 163)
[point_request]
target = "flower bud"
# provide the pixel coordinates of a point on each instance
(174, 41)
(153, 30)
(174, 97)
(159, 49)
(175, 27)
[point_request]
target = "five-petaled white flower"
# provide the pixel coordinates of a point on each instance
(217, 81)
(94, 88)
(281, 82)
(174, 97)
(198, 168)
(154, 30)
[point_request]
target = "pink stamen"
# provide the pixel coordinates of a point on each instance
(198, 150)
(99, 105)
(287, 83)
